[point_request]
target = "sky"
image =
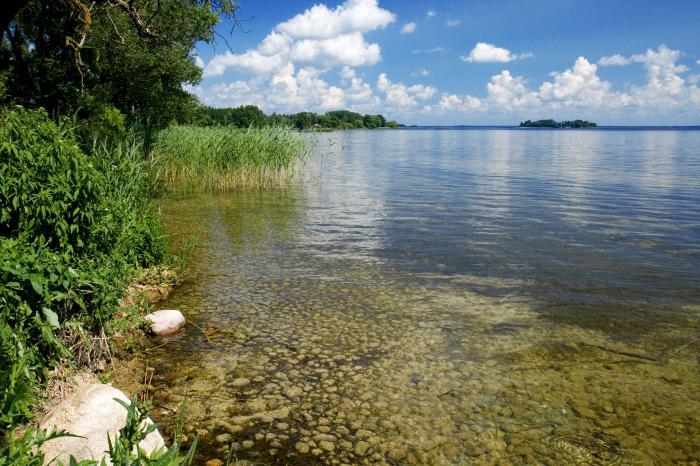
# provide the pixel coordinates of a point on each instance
(471, 62)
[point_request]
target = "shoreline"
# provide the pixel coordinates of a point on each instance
(122, 363)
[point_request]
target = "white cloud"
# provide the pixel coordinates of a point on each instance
(319, 22)
(422, 72)
(399, 96)
(422, 92)
(198, 61)
(580, 91)
(454, 103)
(697, 62)
(450, 23)
(614, 60)
(578, 86)
(320, 37)
(439, 50)
(431, 13)
(507, 92)
(347, 73)
(408, 28)
(665, 87)
(251, 61)
(344, 50)
(489, 53)
(285, 71)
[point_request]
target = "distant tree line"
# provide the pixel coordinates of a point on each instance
(249, 115)
(558, 124)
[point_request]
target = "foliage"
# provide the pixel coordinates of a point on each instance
(21, 450)
(124, 450)
(251, 116)
(73, 228)
(131, 55)
(556, 124)
(221, 158)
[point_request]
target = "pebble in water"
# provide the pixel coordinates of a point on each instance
(361, 365)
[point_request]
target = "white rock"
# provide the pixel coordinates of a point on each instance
(91, 413)
(166, 322)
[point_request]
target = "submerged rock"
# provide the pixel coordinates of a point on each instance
(166, 321)
(93, 414)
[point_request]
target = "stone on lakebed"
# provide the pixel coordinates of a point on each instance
(166, 321)
(91, 413)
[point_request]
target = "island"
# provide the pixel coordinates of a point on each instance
(557, 124)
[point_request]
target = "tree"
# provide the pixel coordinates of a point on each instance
(133, 54)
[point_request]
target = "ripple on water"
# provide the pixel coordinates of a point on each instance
(386, 374)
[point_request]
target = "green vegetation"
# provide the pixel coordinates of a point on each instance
(557, 124)
(224, 158)
(75, 225)
(91, 103)
(76, 57)
(251, 116)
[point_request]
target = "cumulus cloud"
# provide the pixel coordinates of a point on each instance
(454, 103)
(400, 96)
(431, 13)
(450, 23)
(489, 53)
(581, 89)
(614, 60)
(319, 37)
(347, 73)
(665, 87)
(578, 86)
(408, 28)
(285, 71)
(320, 22)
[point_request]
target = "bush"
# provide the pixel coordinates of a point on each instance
(74, 227)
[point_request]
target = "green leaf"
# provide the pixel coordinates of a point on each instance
(37, 286)
(51, 318)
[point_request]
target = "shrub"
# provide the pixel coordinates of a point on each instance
(74, 227)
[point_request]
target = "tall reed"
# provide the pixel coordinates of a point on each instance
(226, 158)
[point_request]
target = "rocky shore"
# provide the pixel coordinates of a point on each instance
(82, 405)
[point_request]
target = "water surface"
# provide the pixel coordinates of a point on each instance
(448, 297)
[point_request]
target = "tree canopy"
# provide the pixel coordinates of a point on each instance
(134, 55)
(557, 124)
(250, 115)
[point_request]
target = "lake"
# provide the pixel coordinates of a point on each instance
(434, 297)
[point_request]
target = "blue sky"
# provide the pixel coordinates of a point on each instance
(462, 62)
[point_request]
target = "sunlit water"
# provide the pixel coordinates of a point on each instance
(447, 297)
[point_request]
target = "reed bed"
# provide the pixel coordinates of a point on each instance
(227, 158)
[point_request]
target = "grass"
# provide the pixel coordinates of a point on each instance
(226, 158)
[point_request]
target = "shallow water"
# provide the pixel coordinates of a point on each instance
(447, 297)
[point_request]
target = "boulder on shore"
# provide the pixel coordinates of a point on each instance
(166, 321)
(91, 413)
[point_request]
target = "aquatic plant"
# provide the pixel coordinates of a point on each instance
(226, 158)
